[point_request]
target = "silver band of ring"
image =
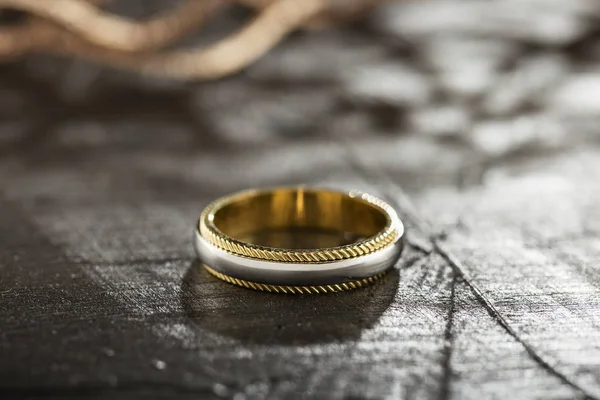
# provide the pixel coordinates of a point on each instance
(279, 273)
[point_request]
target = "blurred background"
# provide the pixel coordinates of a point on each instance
(480, 78)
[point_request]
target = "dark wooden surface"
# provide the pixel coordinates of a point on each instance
(480, 125)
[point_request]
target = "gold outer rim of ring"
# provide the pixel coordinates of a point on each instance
(292, 289)
(313, 256)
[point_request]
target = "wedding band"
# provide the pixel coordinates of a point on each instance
(228, 240)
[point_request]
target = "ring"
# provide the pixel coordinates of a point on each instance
(299, 240)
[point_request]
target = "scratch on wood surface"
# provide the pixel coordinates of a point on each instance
(396, 196)
(493, 311)
(449, 341)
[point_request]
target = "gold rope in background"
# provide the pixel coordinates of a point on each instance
(81, 29)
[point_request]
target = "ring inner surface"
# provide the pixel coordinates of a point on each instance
(299, 219)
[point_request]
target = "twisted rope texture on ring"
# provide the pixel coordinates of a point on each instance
(367, 246)
(321, 289)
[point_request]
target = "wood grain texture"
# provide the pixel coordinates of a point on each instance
(104, 175)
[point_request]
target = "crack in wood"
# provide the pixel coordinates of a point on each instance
(449, 342)
(494, 313)
(396, 196)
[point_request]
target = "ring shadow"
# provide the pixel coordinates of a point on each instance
(254, 317)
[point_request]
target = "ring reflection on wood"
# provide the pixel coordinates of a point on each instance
(284, 320)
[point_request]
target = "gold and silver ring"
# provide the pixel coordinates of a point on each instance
(298, 239)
